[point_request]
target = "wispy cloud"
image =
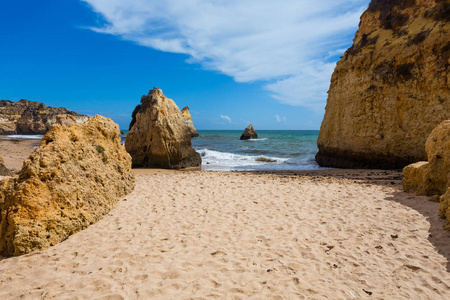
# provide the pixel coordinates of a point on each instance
(288, 46)
(226, 118)
(280, 119)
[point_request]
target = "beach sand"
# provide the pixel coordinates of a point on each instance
(15, 151)
(333, 234)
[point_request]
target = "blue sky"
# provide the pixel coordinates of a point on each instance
(232, 62)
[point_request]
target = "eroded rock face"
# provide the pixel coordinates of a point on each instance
(75, 176)
(189, 122)
(158, 136)
(30, 117)
(249, 133)
(390, 89)
(433, 177)
(4, 171)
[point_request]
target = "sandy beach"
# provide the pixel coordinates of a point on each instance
(333, 234)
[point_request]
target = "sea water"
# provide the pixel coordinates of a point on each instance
(222, 150)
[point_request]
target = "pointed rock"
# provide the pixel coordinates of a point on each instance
(249, 133)
(158, 136)
(188, 121)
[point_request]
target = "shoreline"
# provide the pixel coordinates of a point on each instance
(334, 233)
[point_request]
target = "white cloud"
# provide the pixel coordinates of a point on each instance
(227, 118)
(280, 119)
(288, 45)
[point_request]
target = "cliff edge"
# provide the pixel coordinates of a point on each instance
(390, 89)
(30, 117)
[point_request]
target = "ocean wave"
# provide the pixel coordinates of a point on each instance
(25, 136)
(231, 159)
(255, 140)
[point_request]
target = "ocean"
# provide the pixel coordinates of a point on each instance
(222, 150)
(279, 150)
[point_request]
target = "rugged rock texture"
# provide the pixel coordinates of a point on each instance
(75, 176)
(444, 209)
(188, 121)
(249, 133)
(158, 136)
(29, 117)
(4, 171)
(390, 89)
(433, 177)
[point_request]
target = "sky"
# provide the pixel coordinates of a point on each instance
(233, 62)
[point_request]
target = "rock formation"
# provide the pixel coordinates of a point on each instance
(391, 87)
(29, 117)
(4, 171)
(433, 177)
(249, 133)
(75, 176)
(188, 121)
(158, 136)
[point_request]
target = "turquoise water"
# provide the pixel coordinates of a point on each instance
(273, 150)
(222, 150)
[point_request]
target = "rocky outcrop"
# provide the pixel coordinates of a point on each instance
(249, 133)
(188, 121)
(391, 87)
(75, 176)
(4, 171)
(30, 117)
(158, 136)
(433, 177)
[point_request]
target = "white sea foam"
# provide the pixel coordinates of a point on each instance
(25, 136)
(222, 161)
(255, 140)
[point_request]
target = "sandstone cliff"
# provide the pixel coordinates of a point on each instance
(249, 133)
(75, 176)
(158, 136)
(433, 177)
(30, 117)
(391, 87)
(188, 121)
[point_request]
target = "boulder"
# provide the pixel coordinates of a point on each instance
(390, 89)
(76, 175)
(249, 133)
(4, 171)
(158, 136)
(433, 177)
(30, 117)
(188, 121)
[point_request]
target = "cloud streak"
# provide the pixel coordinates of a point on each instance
(226, 118)
(280, 119)
(291, 47)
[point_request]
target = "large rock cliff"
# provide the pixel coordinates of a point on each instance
(75, 176)
(391, 87)
(158, 136)
(30, 117)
